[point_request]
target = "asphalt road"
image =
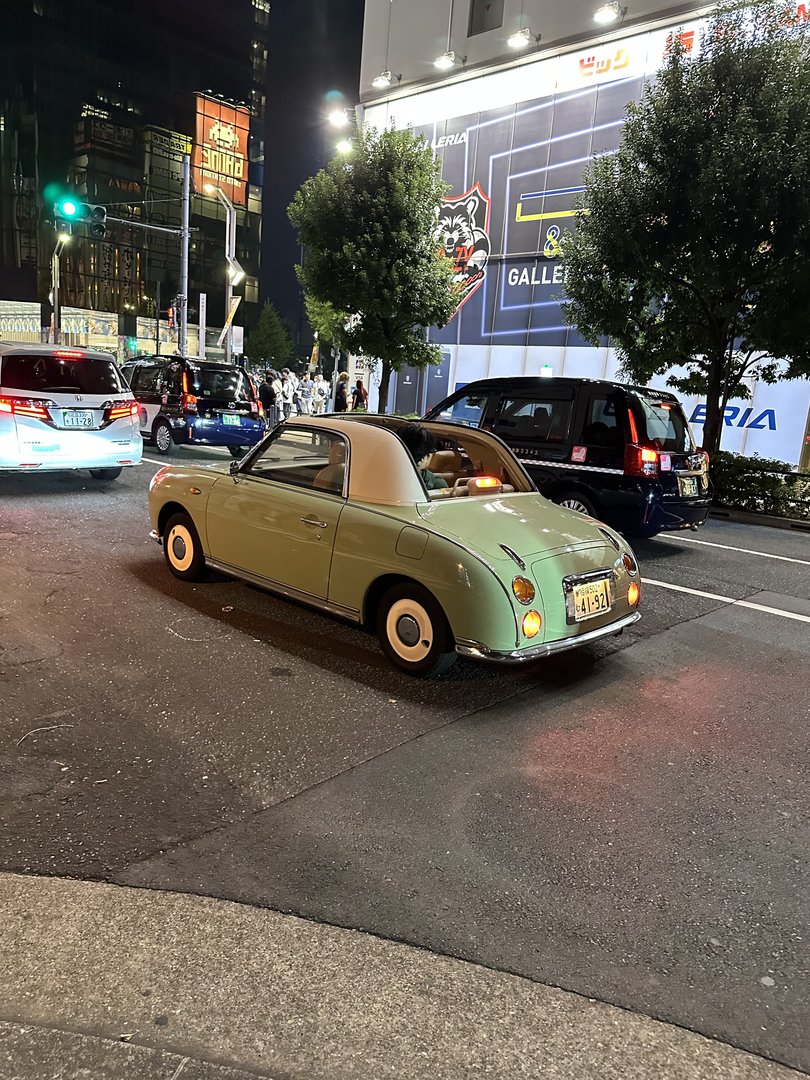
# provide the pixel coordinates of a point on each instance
(628, 822)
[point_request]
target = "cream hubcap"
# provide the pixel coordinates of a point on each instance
(180, 547)
(409, 630)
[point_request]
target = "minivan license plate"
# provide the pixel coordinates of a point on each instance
(234, 421)
(687, 486)
(591, 598)
(77, 418)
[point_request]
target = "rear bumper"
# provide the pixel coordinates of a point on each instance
(203, 432)
(478, 651)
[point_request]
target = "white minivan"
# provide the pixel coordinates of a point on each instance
(65, 408)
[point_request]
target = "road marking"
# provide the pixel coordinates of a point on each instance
(150, 462)
(745, 551)
(729, 600)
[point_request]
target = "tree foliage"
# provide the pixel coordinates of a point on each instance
(693, 245)
(373, 275)
(270, 341)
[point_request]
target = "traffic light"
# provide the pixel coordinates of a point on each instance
(68, 211)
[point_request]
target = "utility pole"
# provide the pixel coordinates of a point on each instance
(157, 318)
(57, 314)
(182, 299)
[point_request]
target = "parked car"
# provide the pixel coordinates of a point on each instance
(195, 401)
(622, 454)
(334, 513)
(64, 408)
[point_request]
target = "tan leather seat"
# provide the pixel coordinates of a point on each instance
(330, 478)
(446, 464)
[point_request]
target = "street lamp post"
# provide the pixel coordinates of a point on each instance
(235, 271)
(61, 240)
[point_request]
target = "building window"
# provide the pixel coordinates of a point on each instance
(261, 12)
(251, 290)
(485, 15)
(258, 103)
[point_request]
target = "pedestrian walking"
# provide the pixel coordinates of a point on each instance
(342, 392)
(359, 397)
(305, 389)
(287, 395)
(267, 397)
(320, 394)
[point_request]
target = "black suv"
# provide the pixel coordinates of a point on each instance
(623, 454)
(195, 401)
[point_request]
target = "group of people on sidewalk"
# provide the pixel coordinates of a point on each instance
(284, 394)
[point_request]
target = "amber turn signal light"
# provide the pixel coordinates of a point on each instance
(523, 590)
(633, 594)
(531, 624)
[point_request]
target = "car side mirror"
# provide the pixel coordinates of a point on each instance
(233, 468)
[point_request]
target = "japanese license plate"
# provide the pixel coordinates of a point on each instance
(591, 598)
(687, 486)
(234, 421)
(77, 418)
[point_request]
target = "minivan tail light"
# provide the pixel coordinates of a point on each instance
(26, 407)
(188, 402)
(119, 409)
(640, 461)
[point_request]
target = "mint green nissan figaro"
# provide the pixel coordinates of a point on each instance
(333, 512)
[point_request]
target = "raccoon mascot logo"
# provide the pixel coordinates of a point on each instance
(463, 232)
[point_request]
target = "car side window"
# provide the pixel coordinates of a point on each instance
(603, 422)
(171, 378)
(146, 378)
(468, 409)
(303, 459)
(545, 419)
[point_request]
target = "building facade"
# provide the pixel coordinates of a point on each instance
(101, 100)
(514, 130)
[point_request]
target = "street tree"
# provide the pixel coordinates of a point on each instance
(373, 275)
(269, 341)
(692, 249)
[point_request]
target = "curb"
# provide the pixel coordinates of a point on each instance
(743, 517)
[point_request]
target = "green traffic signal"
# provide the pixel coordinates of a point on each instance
(67, 208)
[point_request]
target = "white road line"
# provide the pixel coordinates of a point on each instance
(729, 600)
(150, 462)
(745, 551)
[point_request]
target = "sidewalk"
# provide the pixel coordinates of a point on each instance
(105, 982)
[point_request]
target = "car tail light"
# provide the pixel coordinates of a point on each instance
(630, 564)
(640, 461)
(68, 354)
(32, 407)
(188, 402)
(119, 409)
(633, 593)
(523, 590)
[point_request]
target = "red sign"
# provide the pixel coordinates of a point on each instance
(220, 149)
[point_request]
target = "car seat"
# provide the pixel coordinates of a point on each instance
(446, 464)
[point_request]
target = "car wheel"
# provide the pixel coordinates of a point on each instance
(237, 451)
(413, 631)
(182, 548)
(162, 437)
(105, 474)
(572, 500)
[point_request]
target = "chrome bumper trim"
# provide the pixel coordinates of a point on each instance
(155, 535)
(478, 651)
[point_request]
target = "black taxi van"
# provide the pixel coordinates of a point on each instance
(623, 454)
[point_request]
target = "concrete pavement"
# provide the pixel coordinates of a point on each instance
(108, 982)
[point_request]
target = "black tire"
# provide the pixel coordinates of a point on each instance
(575, 500)
(413, 631)
(105, 474)
(237, 451)
(182, 548)
(162, 437)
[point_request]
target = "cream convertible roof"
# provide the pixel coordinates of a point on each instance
(380, 468)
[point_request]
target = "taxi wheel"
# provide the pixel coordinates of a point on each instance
(413, 631)
(237, 451)
(105, 474)
(182, 548)
(572, 500)
(162, 437)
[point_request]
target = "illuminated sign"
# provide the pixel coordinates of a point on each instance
(220, 149)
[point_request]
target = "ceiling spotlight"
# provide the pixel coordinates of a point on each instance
(609, 13)
(445, 61)
(344, 146)
(383, 80)
(339, 118)
(520, 39)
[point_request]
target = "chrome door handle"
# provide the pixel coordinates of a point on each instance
(315, 523)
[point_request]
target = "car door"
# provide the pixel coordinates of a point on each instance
(146, 384)
(276, 518)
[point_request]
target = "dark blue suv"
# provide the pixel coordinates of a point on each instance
(199, 402)
(623, 454)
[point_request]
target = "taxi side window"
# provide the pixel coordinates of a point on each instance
(172, 378)
(602, 423)
(545, 419)
(146, 378)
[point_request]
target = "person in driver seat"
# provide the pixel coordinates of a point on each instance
(422, 446)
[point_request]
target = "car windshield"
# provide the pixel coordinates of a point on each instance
(665, 425)
(466, 410)
(51, 373)
(228, 383)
